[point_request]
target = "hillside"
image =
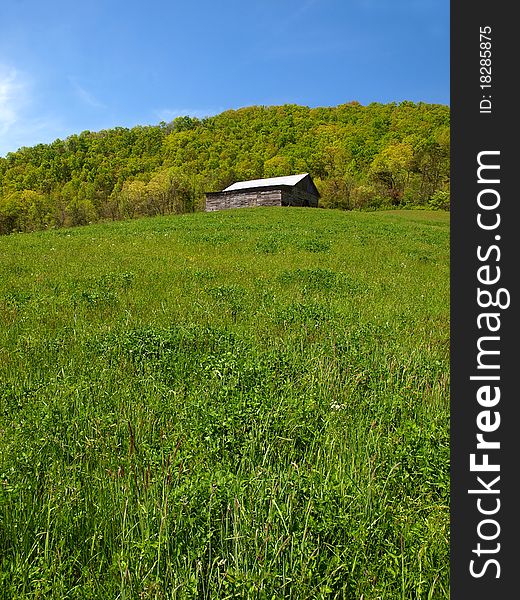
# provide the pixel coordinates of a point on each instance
(250, 403)
(359, 156)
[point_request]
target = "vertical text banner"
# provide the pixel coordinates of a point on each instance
(485, 257)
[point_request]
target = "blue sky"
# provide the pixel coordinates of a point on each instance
(67, 67)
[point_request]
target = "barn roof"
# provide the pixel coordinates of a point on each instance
(270, 181)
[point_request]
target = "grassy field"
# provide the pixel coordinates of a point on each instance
(242, 404)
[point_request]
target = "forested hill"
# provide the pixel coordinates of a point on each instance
(359, 156)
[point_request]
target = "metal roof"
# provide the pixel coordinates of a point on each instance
(253, 183)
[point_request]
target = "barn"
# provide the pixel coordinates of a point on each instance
(291, 190)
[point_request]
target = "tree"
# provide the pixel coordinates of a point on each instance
(391, 170)
(278, 166)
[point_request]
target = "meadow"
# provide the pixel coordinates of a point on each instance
(250, 403)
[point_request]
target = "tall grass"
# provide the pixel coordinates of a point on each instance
(244, 404)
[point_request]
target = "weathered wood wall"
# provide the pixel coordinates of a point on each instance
(243, 199)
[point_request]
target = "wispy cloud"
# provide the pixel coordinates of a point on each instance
(282, 24)
(18, 125)
(85, 95)
(12, 96)
(304, 8)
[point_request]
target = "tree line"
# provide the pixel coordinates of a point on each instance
(360, 157)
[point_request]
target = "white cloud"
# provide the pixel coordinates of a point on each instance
(18, 125)
(12, 97)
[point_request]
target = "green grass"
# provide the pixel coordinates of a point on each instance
(241, 404)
